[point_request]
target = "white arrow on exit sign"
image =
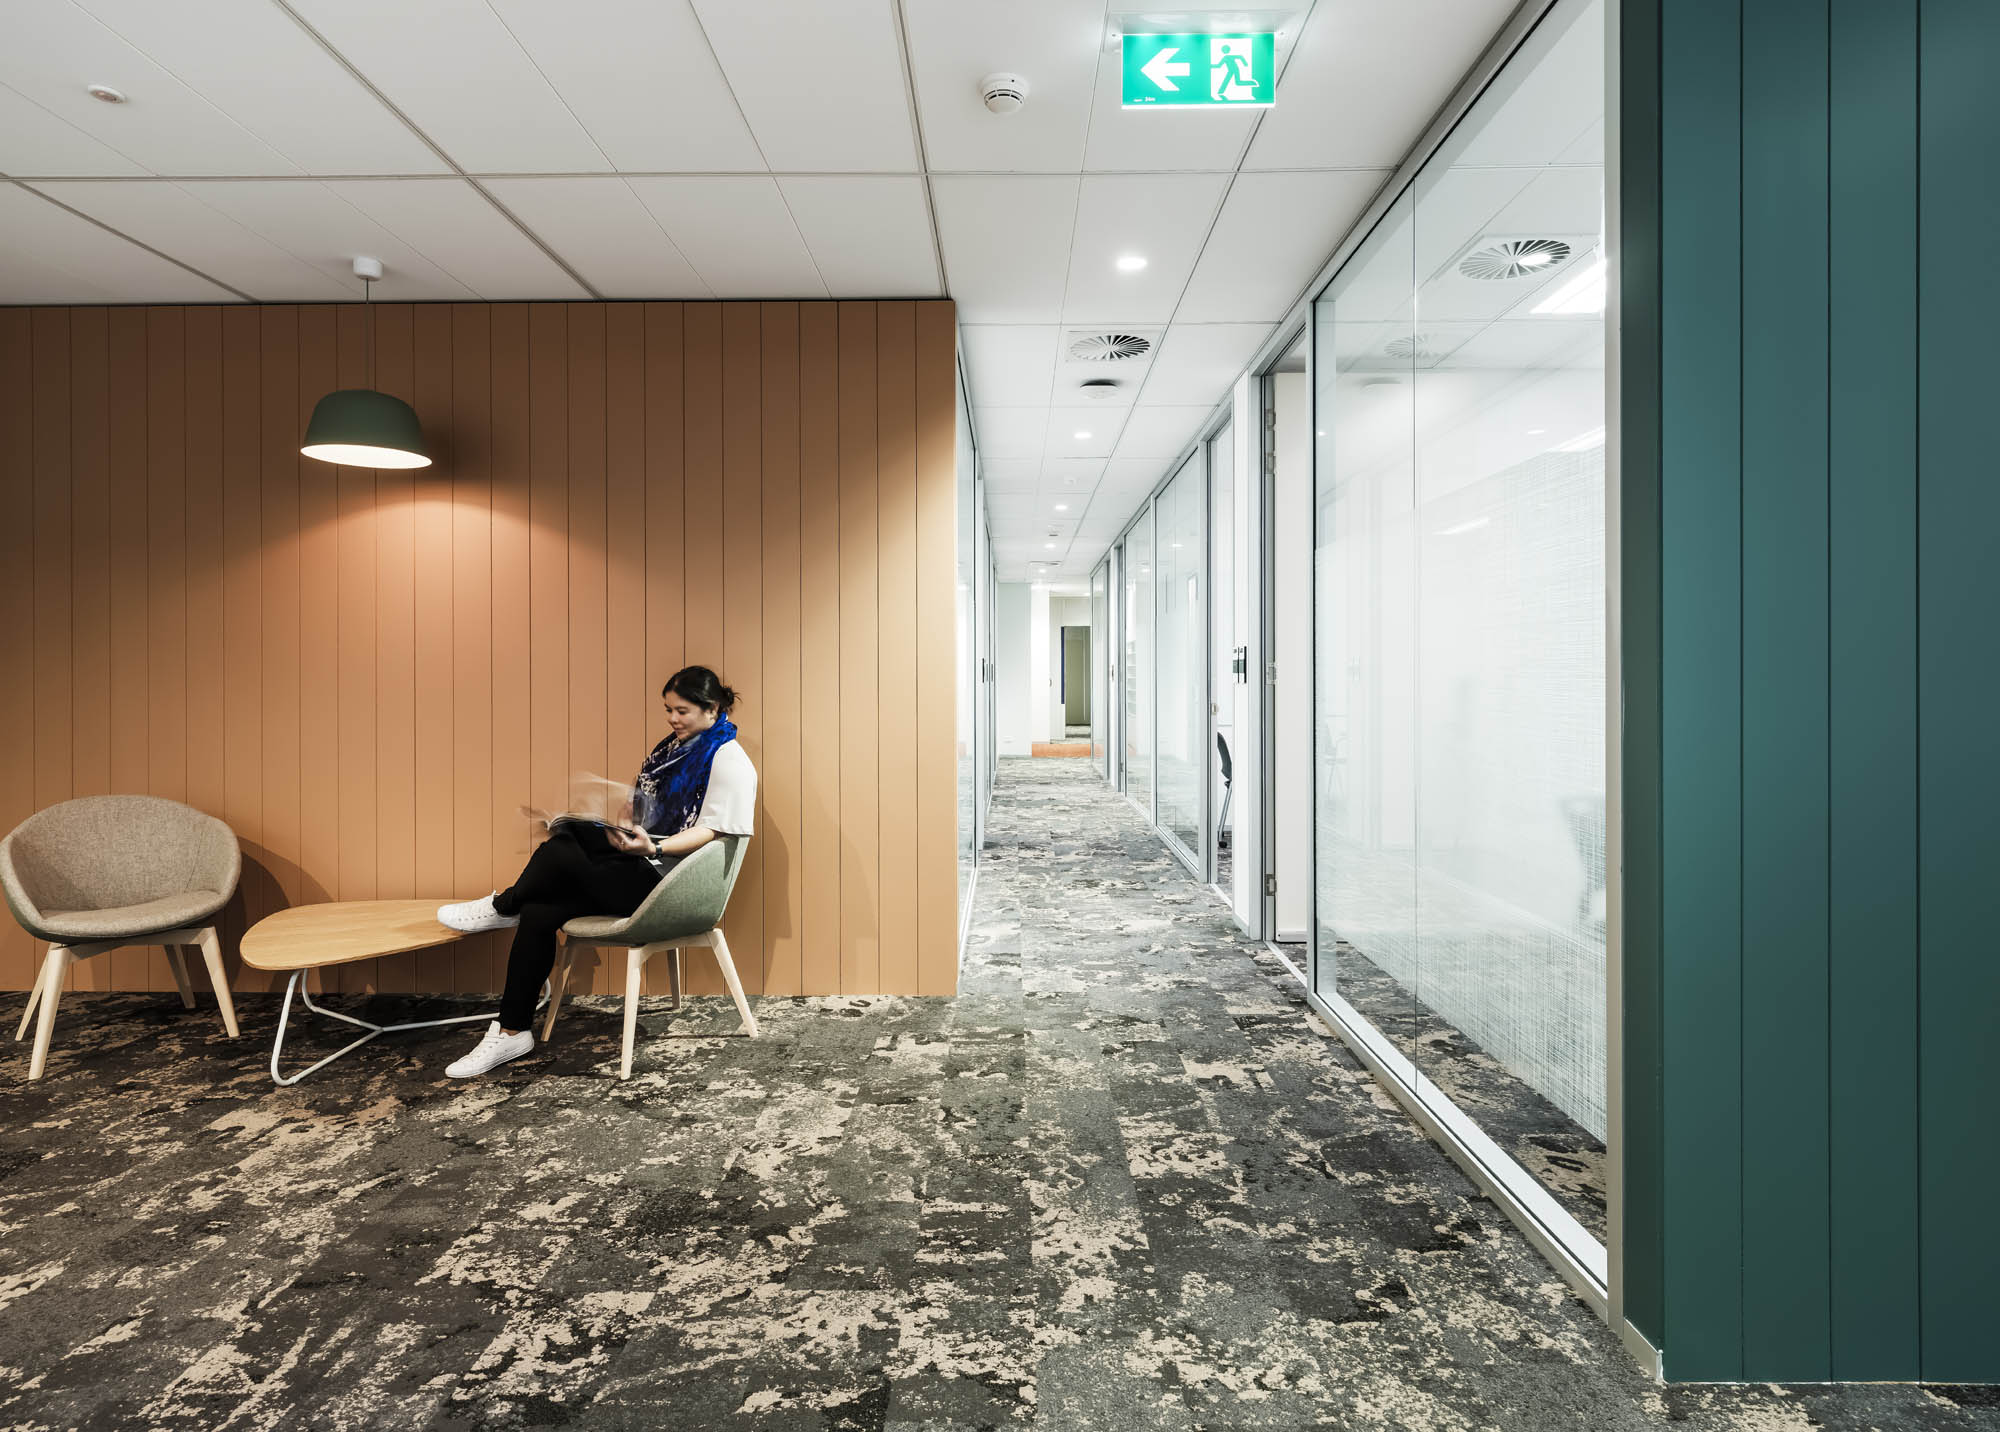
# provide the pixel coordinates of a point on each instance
(1158, 69)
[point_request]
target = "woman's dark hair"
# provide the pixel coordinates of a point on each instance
(701, 686)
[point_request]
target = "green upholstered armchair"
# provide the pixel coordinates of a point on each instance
(685, 909)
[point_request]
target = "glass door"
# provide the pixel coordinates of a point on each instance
(1138, 745)
(1181, 662)
(1227, 665)
(1100, 667)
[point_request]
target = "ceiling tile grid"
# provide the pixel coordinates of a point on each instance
(696, 149)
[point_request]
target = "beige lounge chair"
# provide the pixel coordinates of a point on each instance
(104, 872)
(685, 909)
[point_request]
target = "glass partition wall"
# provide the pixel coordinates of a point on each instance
(1222, 674)
(1457, 700)
(1136, 562)
(1460, 640)
(1101, 648)
(1182, 724)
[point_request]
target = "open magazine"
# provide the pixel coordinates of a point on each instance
(595, 805)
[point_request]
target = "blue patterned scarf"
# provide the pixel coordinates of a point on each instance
(668, 794)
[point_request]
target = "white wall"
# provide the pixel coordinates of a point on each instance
(1064, 610)
(1013, 680)
(1292, 597)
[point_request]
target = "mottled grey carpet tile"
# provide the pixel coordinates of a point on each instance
(1124, 1180)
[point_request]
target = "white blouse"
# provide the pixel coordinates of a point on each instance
(729, 807)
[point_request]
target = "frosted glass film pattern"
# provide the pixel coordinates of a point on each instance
(1100, 666)
(1182, 691)
(1138, 569)
(967, 587)
(1460, 696)
(1222, 623)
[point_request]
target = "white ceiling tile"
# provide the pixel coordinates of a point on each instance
(1010, 432)
(869, 236)
(1006, 244)
(456, 70)
(1198, 361)
(1161, 432)
(609, 61)
(452, 225)
(821, 81)
(166, 217)
(1588, 149)
(49, 56)
(258, 66)
(1008, 364)
(603, 232)
(736, 233)
(1053, 44)
(33, 141)
(51, 256)
(1367, 77)
(1544, 101)
(1015, 509)
(1102, 427)
(1160, 217)
(1275, 232)
(1010, 475)
(1459, 205)
(1125, 472)
(1160, 138)
(315, 224)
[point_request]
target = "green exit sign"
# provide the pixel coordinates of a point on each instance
(1219, 71)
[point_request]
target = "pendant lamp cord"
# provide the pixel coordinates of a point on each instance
(368, 305)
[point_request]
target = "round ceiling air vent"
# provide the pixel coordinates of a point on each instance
(1514, 258)
(1416, 346)
(1109, 347)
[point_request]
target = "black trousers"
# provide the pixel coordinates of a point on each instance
(562, 880)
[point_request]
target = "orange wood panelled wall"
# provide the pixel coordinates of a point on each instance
(366, 673)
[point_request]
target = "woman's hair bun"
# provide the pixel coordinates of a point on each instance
(701, 686)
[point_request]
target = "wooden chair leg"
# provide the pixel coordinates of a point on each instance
(556, 990)
(53, 969)
(635, 978)
(211, 955)
(177, 960)
(28, 1014)
(735, 985)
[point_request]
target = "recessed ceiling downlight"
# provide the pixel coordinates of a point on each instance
(1109, 347)
(1514, 258)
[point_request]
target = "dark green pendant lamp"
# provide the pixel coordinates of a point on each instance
(359, 427)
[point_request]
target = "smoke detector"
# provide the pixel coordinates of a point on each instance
(1109, 347)
(1098, 389)
(1003, 93)
(1514, 258)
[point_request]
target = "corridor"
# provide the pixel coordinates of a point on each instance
(1122, 1181)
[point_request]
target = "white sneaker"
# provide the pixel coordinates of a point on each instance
(494, 1050)
(472, 916)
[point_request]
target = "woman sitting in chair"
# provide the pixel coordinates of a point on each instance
(697, 784)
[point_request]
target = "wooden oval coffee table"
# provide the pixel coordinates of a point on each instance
(310, 937)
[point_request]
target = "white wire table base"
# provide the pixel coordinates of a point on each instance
(298, 983)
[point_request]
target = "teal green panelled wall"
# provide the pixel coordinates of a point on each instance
(1810, 485)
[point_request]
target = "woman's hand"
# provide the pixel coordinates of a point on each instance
(632, 842)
